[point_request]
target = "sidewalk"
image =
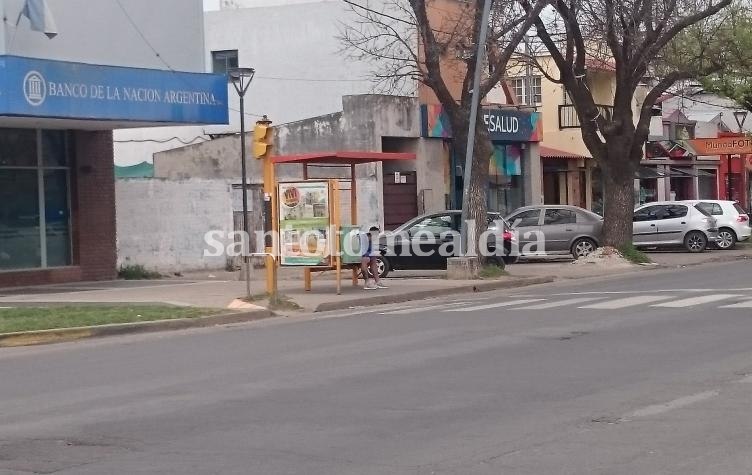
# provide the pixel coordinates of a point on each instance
(220, 289)
(221, 293)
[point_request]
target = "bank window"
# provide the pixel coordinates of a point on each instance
(223, 61)
(531, 97)
(35, 229)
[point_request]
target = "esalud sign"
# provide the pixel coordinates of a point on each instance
(43, 88)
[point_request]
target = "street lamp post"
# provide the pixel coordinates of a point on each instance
(241, 78)
(740, 116)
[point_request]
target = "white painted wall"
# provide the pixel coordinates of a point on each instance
(161, 223)
(300, 71)
(99, 32)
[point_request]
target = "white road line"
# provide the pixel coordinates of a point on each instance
(626, 302)
(656, 409)
(420, 309)
(509, 303)
(747, 304)
(692, 301)
(560, 303)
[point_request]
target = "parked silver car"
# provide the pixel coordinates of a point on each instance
(556, 229)
(733, 221)
(673, 223)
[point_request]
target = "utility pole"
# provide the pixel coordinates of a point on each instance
(474, 104)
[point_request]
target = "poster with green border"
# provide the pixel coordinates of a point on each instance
(304, 223)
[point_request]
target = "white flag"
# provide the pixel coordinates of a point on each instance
(40, 17)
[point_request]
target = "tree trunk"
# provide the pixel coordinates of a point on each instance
(477, 203)
(618, 175)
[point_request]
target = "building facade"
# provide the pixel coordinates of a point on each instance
(64, 86)
(300, 69)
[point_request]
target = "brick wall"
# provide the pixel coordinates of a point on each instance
(93, 193)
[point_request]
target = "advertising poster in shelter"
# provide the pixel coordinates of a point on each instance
(304, 223)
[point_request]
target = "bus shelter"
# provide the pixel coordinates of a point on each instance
(307, 215)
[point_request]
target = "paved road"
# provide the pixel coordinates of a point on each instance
(643, 374)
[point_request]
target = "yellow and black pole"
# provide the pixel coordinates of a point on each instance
(263, 138)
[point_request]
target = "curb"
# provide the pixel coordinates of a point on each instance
(481, 286)
(59, 335)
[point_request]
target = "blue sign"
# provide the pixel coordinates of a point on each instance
(59, 89)
(504, 125)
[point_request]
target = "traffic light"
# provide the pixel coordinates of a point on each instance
(263, 136)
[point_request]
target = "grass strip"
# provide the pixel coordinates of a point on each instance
(21, 319)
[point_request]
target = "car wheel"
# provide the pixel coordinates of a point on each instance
(382, 267)
(500, 261)
(695, 241)
(582, 247)
(726, 239)
(511, 259)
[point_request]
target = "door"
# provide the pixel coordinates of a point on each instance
(645, 225)
(400, 199)
(672, 225)
(559, 226)
(527, 226)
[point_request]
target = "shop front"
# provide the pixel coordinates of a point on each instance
(514, 166)
(57, 198)
(673, 171)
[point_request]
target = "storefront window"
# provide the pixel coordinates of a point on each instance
(597, 190)
(506, 190)
(34, 203)
(681, 188)
(707, 184)
(19, 220)
(648, 190)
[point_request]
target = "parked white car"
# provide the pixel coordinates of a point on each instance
(733, 221)
(673, 223)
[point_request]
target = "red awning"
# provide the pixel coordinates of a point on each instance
(548, 152)
(342, 157)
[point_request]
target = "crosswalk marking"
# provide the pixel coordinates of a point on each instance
(420, 309)
(494, 305)
(626, 302)
(560, 303)
(692, 301)
(747, 304)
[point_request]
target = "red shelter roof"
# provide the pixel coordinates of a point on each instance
(342, 157)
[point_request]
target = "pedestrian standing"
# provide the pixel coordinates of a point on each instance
(369, 249)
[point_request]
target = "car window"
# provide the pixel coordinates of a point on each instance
(649, 213)
(713, 209)
(559, 216)
(525, 218)
(675, 211)
(433, 225)
(739, 209)
(702, 209)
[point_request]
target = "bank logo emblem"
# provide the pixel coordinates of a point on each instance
(35, 88)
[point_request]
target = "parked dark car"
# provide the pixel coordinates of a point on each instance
(427, 234)
(561, 229)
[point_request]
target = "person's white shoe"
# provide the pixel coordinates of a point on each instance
(370, 287)
(379, 285)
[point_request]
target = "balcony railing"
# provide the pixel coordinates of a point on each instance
(568, 115)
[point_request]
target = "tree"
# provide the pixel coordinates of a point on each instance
(420, 41)
(647, 43)
(735, 79)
